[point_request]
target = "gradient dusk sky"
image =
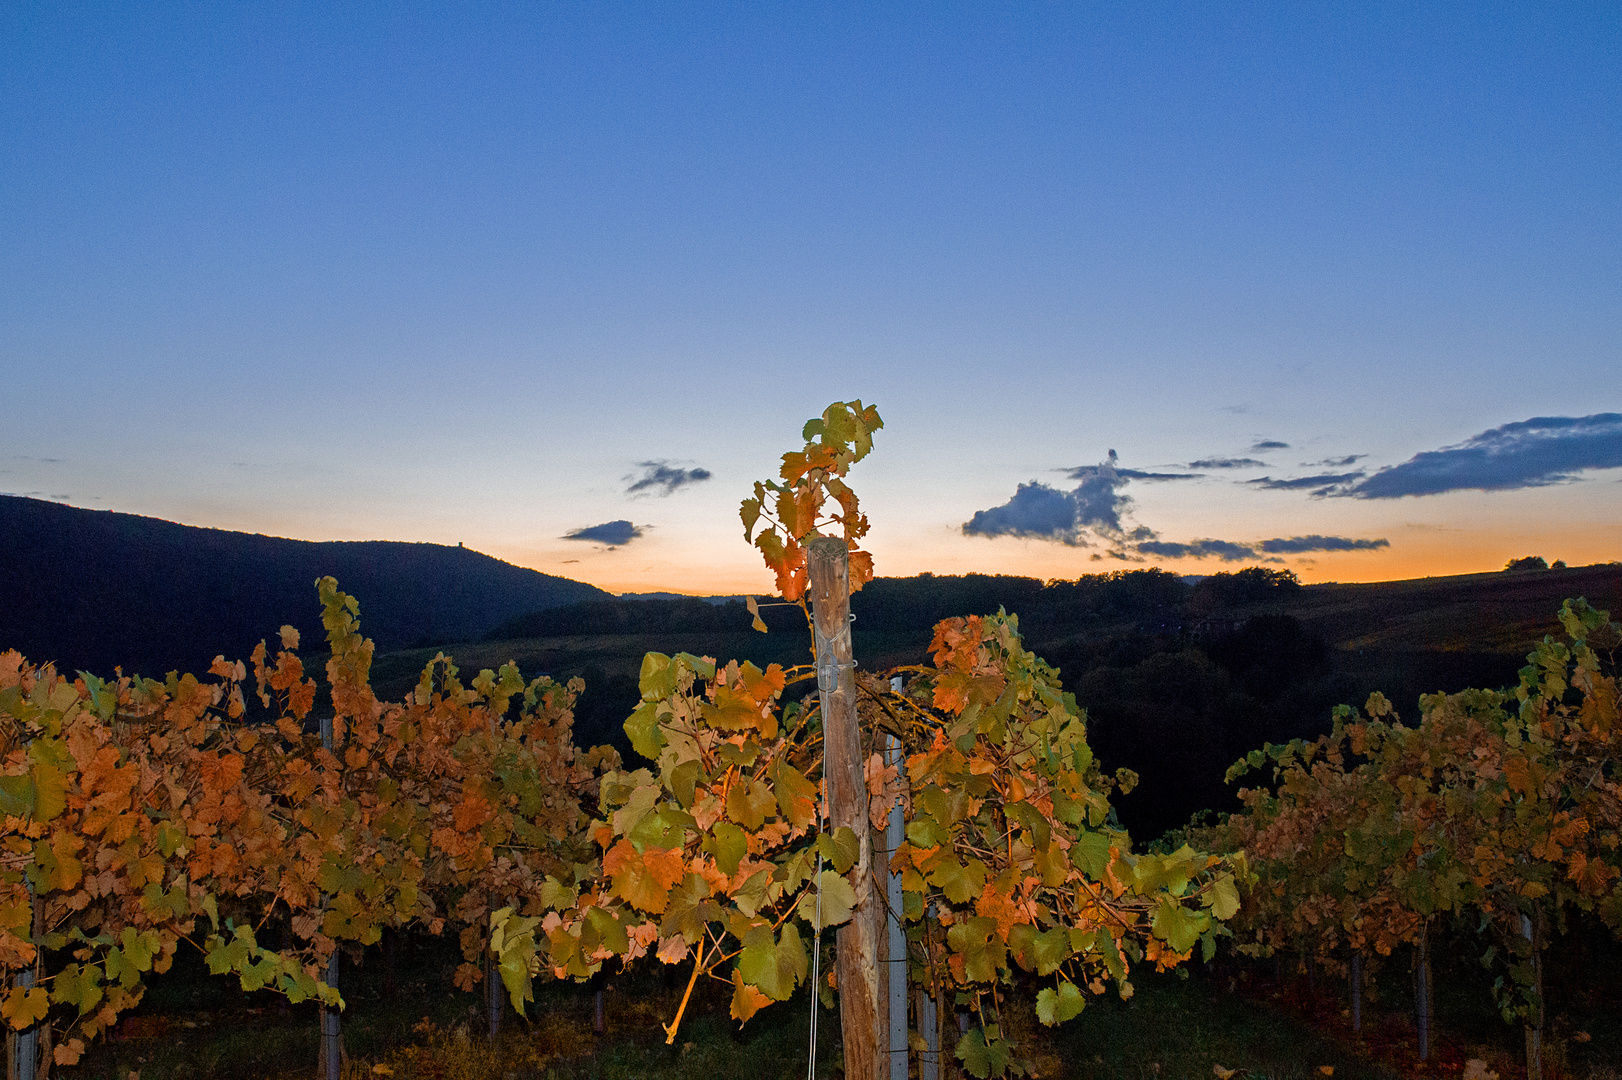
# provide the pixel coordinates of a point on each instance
(1334, 286)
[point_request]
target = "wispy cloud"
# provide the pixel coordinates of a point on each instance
(1138, 474)
(612, 533)
(1265, 551)
(1321, 483)
(1226, 550)
(1040, 512)
(1336, 462)
(1227, 463)
(660, 477)
(1297, 545)
(1529, 453)
(1269, 444)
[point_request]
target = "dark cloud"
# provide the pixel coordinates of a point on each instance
(1229, 551)
(1225, 550)
(1269, 444)
(1338, 462)
(1036, 512)
(1040, 512)
(1227, 463)
(1321, 484)
(612, 533)
(661, 477)
(1296, 545)
(1136, 474)
(1529, 453)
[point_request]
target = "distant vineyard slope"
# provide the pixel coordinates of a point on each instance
(92, 589)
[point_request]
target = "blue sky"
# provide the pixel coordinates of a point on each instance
(471, 273)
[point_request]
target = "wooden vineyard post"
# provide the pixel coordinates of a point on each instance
(863, 997)
(331, 1031)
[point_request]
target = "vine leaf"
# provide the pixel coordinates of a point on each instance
(1057, 1006)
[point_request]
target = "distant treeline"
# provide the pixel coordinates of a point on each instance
(1179, 677)
(1153, 598)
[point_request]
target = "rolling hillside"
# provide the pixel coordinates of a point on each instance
(94, 589)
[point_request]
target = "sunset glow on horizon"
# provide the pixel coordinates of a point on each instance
(1336, 292)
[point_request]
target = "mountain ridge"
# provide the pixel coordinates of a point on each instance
(98, 589)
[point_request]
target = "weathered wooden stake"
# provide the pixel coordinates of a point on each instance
(863, 1000)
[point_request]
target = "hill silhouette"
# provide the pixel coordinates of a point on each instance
(94, 589)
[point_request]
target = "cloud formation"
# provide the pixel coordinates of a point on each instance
(1297, 545)
(1036, 512)
(1138, 474)
(1322, 483)
(1226, 550)
(612, 533)
(1337, 462)
(1269, 444)
(1529, 453)
(1229, 551)
(1040, 512)
(1098, 509)
(1227, 463)
(659, 477)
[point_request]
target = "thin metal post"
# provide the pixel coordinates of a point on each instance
(1422, 996)
(896, 961)
(332, 1044)
(332, 1041)
(27, 1059)
(24, 1064)
(494, 1005)
(929, 1061)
